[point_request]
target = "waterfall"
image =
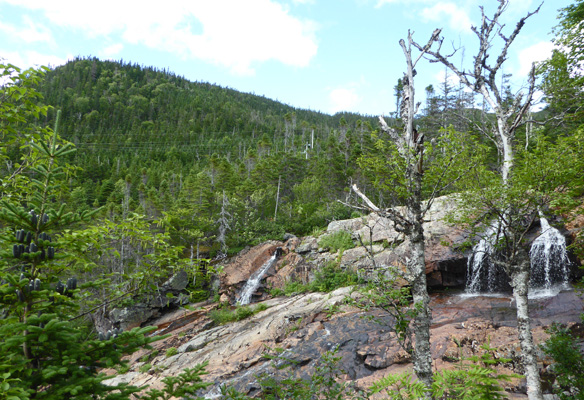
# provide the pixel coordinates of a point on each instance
(255, 279)
(550, 264)
(480, 268)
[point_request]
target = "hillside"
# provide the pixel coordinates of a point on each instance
(152, 142)
(147, 111)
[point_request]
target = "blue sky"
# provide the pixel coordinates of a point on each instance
(325, 55)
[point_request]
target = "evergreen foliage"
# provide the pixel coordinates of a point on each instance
(568, 363)
(169, 173)
(46, 352)
(156, 144)
(340, 240)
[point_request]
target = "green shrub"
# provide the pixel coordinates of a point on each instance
(328, 278)
(260, 307)
(171, 351)
(277, 292)
(356, 214)
(317, 231)
(332, 277)
(474, 378)
(243, 313)
(295, 287)
(197, 296)
(340, 240)
(145, 368)
(225, 315)
(568, 365)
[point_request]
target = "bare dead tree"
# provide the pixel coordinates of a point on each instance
(510, 113)
(410, 147)
(482, 79)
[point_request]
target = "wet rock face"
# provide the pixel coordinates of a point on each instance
(239, 269)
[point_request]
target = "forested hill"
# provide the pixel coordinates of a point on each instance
(161, 138)
(105, 99)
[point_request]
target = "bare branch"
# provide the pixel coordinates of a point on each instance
(527, 104)
(434, 38)
(393, 134)
(480, 127)
(369, 203)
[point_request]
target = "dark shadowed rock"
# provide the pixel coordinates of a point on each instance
(168, 296)
(177, 282)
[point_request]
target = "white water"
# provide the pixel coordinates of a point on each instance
(254, 281)
(550, 265)
(479, 266)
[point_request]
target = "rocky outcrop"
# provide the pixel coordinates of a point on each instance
(446, 252)
(306, 326)
(445, 262)
(167, 297)
(239, 269)
(446, 266)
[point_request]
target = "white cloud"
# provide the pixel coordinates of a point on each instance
(112, 50)
(27, 59)
(343, 99)
(232, 33)
(381, 3)
(537, 52)
(457, 17)
(30, 32)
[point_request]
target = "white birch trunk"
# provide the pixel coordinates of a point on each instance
(507, 149)
(483, 80)
(520, 284)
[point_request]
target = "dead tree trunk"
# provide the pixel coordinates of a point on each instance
(509, 114)
(410, 145)
(483, 77)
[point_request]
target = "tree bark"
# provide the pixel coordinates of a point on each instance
(421, 325)
(410, 145)
(482, 79)
(520, 284)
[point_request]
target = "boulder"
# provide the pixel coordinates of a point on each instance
(445, 264)
(178, 282)
(307, 245)
(168, 296)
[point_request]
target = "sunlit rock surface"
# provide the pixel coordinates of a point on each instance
(306, 326)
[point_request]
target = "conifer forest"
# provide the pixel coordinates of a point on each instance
(115, 176)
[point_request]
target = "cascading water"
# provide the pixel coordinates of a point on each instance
(550, 264)
(255, 279)
(480, 267)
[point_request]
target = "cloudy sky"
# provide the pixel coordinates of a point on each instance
(325, 55)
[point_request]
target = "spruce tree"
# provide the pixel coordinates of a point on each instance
(46, 352)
